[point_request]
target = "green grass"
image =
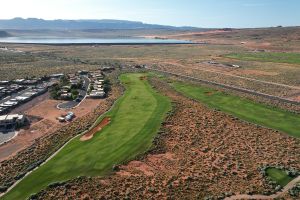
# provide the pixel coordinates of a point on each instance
(279, 176)
(291, 58)
(243, 108)
(135, 120)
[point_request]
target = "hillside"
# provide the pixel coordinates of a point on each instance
(4, 34)
(105, 24)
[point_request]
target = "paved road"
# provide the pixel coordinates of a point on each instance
(5, 137)
(72, 104)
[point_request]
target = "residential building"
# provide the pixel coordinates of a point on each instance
(10, 122)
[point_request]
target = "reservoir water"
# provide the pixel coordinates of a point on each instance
(54, 40)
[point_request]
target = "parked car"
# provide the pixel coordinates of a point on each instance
(78, 100)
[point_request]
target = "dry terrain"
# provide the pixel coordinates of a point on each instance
(273, 39)
(199, 153)
(47, 113)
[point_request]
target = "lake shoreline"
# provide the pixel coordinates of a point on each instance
(93, 41)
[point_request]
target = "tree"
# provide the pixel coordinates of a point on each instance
(106, 88)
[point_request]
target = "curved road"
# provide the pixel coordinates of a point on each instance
(73, 104)
(289, 186)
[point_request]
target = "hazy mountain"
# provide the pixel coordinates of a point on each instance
(35, 24)
(4, 34)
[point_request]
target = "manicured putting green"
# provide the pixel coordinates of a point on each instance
(135, 120)
(279, 176)
(244, 109)
(279, 57)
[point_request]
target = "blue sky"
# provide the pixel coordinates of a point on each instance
(200, 13)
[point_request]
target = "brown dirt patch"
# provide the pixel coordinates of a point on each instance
(152, 165)
(296, 98)
(137, 166)
(48, 109)
(209, 93)
(29, 105)
(47, 112)
(26, 137)
(259, 45)
(89, 135)
(143, 78)
(199, 153)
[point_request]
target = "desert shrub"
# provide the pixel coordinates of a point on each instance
(3, 189)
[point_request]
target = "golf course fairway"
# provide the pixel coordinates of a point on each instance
(276, 57)
(242, 108)
(135, 119)
(279, 176)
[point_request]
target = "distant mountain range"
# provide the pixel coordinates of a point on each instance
(106, 24)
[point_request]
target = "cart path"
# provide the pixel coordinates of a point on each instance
(237, 76)
(240, 89)
(289, 186)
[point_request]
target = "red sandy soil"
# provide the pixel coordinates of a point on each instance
(258, 45)
(23, 108)
(48, 109)
(296, 98)
(209, 93)
(143, 78)
(199, 153)
(89, 135)
(26, 137)
(48, 124)
(149, 167)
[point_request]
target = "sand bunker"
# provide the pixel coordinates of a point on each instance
(89, 135)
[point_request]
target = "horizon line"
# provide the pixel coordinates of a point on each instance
(138, 21)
